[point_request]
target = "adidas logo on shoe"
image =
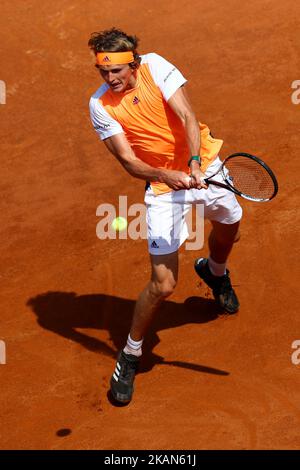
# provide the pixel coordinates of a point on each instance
(121, 382)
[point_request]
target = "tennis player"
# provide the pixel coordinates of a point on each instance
(143, 115)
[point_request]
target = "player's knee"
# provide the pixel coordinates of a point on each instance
(164, 288)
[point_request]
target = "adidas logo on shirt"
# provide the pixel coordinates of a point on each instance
(135, 100)
(154, 244)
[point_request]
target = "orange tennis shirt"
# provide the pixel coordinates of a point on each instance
(154, 131)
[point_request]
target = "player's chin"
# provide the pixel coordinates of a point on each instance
(120, 88)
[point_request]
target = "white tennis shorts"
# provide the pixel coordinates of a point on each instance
(167, 227)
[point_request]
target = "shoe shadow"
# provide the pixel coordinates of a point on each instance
(65, 312)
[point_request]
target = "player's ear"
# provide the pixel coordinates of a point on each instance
(133, 65)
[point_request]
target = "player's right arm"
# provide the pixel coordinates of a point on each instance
(111, 133)
(119, 146)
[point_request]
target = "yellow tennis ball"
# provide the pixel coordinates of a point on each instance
(119, 224)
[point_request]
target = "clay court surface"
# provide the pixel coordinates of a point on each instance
(207, 381)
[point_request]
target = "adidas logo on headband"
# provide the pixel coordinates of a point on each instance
(106, 59)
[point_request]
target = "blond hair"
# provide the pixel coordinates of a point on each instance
(115, 40)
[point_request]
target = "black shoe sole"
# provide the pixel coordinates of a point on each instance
(115, 402)
(223, 307)
(119, 397)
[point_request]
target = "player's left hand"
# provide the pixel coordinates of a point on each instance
(197, 180)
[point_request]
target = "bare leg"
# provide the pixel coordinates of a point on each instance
(221, 240)
(162, 284)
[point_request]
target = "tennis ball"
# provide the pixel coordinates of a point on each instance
(119, 224)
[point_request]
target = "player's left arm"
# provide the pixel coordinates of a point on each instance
(181, 105)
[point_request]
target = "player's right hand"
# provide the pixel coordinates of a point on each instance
(197, 180)
(177, 180)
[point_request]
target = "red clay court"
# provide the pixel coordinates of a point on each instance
(208, 381)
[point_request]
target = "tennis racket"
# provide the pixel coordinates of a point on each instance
(247, 176)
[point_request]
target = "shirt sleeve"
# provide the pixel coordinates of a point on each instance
(103, 123)
(165, 75)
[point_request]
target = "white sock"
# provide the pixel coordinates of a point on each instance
(133, 347)
(217, 269)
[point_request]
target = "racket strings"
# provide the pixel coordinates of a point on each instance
(249, 177)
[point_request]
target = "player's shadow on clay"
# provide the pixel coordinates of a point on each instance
(64, 312)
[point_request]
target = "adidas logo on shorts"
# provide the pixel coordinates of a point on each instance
(154, 244)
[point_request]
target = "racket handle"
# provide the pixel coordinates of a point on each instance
(205, 180)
